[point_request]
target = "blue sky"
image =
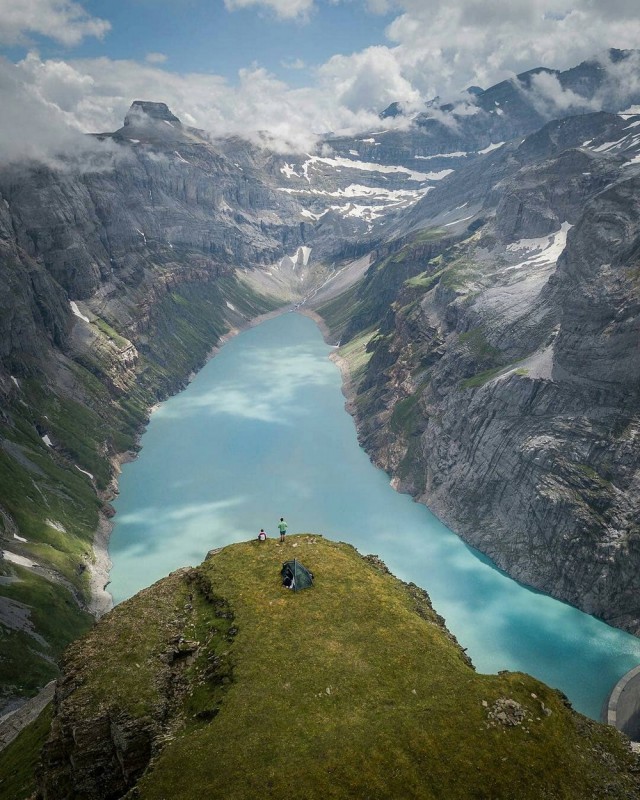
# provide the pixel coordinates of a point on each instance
(205, 37)
(198, 36)
(294, 68)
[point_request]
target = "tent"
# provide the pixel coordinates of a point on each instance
(295, 575)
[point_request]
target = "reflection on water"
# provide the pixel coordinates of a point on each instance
(262, 433)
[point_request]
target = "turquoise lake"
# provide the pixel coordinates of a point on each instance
(260, 433)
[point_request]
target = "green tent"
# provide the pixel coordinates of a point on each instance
(295, 575)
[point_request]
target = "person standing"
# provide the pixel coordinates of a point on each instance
(282, 527)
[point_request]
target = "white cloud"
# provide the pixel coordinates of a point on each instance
(368, 80)
(285, 9)
(155, 58)
(32, 127)
(442, 47)
(65, 21)
(548, 96)
(296, 63)
(95, 94)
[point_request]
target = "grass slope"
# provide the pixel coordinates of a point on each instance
(18, 762)
(350, 689)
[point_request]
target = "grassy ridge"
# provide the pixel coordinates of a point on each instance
(349, 689)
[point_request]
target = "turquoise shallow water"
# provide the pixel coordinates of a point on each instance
(261, 433)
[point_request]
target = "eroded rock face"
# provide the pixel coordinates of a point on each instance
(109, 724)
(523, 369)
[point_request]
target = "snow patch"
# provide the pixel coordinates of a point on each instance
(138, 229)
(288, 170)
(369, 141)
(490, 149)
(632, 111)
(357, 190)
(15, 380)
(635, 160)
(603, 148)
(303, 255)
(299, 259)
(20, 538)
(633, 125)
(83, 471)
(58, 526)
(180, 158)
(546, 250)
(457, 154)
(135, 141)
(47, 440)
(365, 166)
(77, 312)
(229, 305)
(456, 221)
(354, 152)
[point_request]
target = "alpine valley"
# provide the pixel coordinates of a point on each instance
(478, 264)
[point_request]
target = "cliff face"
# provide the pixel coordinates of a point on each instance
(502, 386)
(116, 279)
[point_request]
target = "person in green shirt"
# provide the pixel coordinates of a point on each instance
(282, 527)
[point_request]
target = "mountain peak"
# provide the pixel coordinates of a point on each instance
(141, 111)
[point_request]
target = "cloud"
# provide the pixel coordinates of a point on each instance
(155, 58)
(548, 96)
(296, 63)
(285, 9)
(62, 20)
(33, 127)
(368, 80)
(443, 47)
(435, 48)
(94, 95)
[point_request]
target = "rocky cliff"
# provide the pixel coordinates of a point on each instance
(501, 387)
(117, 276)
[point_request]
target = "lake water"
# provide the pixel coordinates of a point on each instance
(261, 433)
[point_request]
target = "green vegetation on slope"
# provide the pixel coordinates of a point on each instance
(18, 762)
(357, 355)
(349, 689)
(365, 304)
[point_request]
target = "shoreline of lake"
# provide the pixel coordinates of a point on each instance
(100, 599)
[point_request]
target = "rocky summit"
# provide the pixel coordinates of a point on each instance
(477, 263)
